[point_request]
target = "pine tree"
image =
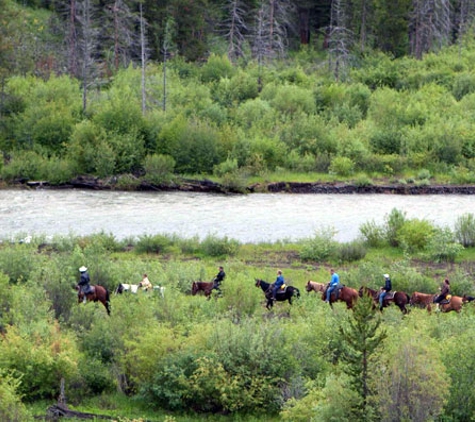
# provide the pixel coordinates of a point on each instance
(361, 338)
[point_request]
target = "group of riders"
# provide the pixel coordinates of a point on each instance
(333, 285)
(85, 281)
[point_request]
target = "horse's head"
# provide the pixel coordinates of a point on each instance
(194, 288)
(466, 298)
(258, 282)
(308, 286)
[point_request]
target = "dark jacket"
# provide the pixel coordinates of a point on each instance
(219, 277)
(445, 290)
(84, 280)
(387, 285)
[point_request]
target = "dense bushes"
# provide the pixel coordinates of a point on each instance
(182, 352)
(298, 120)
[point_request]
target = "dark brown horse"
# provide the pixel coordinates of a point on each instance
(400, 299)
(425, 300)
(345, 294)
(282, 295)
(96, 294)
(202, 286)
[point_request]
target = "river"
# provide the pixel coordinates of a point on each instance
(248, 218)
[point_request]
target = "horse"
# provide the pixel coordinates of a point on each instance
(400, 299)
(202, 286)
(316, 287)
(124, 287)
(96, 293)
(425, 300)
(281, 296)
(345, 294)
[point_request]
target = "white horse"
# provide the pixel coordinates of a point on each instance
(124, 287)
(134, 288)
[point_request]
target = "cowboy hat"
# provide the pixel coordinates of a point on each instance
(386, 275)
(82, 269)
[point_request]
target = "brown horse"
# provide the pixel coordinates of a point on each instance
(96, 293)
(202, 286)
(345, 294)
(316, 287)
(425, 300)
(400, 299)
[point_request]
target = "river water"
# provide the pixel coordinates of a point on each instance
(248, 218)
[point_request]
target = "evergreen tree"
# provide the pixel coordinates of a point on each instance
(361, 338)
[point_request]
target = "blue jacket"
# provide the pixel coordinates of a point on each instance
(335, 280)
(279, 281)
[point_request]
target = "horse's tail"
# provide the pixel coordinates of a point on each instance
(107, 294)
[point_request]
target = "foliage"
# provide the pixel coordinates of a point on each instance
(464, 230)
(351, 251)
(415, 234)
(320, 247)
(212, 245)
(361, 339)
(159, 168)
(11, 407)
(442, 246)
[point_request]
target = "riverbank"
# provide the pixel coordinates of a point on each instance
(209, 186)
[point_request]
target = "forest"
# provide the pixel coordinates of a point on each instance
(322, 110)
(181, 357)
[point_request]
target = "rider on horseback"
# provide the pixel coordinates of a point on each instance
(384, 290)
(84, 282)
(444, 292)
(279, 282)
(219, 279)
(334, 284)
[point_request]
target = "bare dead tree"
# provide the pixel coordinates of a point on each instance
(269, 35)
(429, 27)
(88, 46)
(340, 40)
(121, 20)
(143, 56)
(73, 40)
(234, 28)
(167, 47)
(464, 20)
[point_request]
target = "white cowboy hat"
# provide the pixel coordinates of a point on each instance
(386, 275)
(82, 269)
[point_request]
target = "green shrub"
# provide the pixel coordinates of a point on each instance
(23, 165)
(415, 234)
(342, 166)
(320, 247)
(464, 230)
(464, 84)
(11, 407)
(351, 251)
(373, 235)
(213, 245)
(215, 68)
(228, 166)
(159, 168)
(153, 244)
(394, 221)
(442, 246)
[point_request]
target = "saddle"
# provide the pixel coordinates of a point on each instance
(89, 289)
(390, 295)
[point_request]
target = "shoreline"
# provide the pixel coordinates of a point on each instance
(208, 186)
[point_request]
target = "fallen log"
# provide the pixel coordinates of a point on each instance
(57, 411)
